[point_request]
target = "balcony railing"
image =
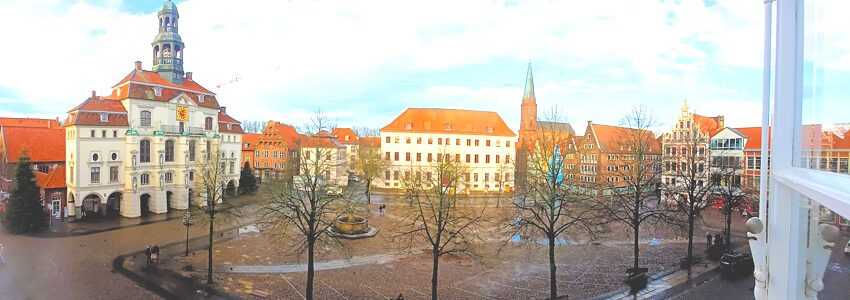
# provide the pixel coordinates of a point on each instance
(176, 62)
(175, 129)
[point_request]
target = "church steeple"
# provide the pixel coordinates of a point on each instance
(528, 95)
(528, 115)
(168, 46)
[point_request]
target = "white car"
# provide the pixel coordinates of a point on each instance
(847, 249)
(334, 191)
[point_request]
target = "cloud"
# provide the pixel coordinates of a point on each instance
(365, 62)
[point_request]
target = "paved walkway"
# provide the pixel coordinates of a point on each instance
(667, 284)
(67, 228)
(319, 266)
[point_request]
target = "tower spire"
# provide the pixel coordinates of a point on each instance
(528, 95)
(168, 46)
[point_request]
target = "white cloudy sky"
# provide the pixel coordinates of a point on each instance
(364, 62)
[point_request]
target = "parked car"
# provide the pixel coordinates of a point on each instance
(847, 249)
(353, 178)
(734, 264)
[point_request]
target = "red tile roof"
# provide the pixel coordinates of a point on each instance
(608, 136)
(285, 132)
(451, 121)
(843, 143)
(370, 140)
(150, 77)
(141, 84)
(342, 133)
(43, 144)
(709, 125)
(321, 142)
(53, 180)
(93, 118)
(251, 139)
(100, 104)
(27, 122)
(224, 120)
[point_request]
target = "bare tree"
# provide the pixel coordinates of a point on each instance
(300, 211)
(633, 177)
(686, 160)
(366, 131)
(369, 163)
(209, 199)
(549, 203)
(440, 216)
(727, 171)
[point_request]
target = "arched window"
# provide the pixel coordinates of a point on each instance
(191, 150)
(169, 150)
(145, 118)
(145, 151)
(208, 123)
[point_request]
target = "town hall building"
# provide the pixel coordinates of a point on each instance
(142, 148)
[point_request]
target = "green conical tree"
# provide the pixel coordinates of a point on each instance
(247, 180)
(24, 211)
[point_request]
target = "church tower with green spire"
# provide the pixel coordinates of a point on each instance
(168, 46)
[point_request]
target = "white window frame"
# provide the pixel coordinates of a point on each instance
(788, 236)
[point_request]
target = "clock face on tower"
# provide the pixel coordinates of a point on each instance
(183, 113)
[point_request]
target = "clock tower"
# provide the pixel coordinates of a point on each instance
(168, 46)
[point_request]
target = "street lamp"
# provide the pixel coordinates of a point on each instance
(188, 220)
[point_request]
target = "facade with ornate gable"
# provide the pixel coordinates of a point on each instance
(140, 149)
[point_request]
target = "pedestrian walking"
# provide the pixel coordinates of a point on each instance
(716, 240)
(148, 253)
(2, 258)
(400, 297)
(708, 238)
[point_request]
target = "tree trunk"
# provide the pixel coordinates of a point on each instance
(637, 248)
(728, 230)
(690, 237)
(553, 282)
(436, 253)
(210, 253)
(368, 191)
(311, 244)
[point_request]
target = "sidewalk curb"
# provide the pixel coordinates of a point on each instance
(51, 235)
(151, 285)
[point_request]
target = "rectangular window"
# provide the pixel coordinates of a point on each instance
(256, 153)
(395, 156)
(457, 157)
(439, 141)
(507, 159)
(266, 153)
(418, 156)
(274, 154)
(487, 159)
(430, 157)
(457, 142)
(476, 158)
(430, 140)
(232, 167)
(407, 140)
(386, 175)
(72, 175)
(407, 156)
(256, 164)
(113, 174)
(469, 142)
(468, 158)
(169, 177)
(387, 156)
(486, 177)
(497, 159)
(507, 143)
(103, 133)
(475, 176)
(388, 140)
(487, 143)
(419, 140)
(498, 143)
(145, 179)
(92, 133)
(95, 174)
(115, 133)
(476, 143)
(395, 175)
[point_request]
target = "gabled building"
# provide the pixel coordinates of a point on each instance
(249, 146)
(347, 137)
(608, 159)
(688, 143)
(324, 148)
(420, 136)
(140, 149)
(53, 192)
(276, 152)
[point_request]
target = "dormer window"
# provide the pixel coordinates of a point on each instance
(447, 126)
(229, 126)
(104, 117)
(201, 98)
(408, 126)
(157, 91)
(489, 129)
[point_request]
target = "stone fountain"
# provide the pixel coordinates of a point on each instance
(352, 227)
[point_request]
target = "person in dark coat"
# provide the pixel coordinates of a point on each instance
(708, 238)
(148, 253)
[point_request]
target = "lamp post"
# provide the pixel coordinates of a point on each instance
(188, 220)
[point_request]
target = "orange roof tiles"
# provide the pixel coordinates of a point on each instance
(42, 144)
(150, 77)
(452, 121)
(53, 180)
(285, 132)
(342, 133)
(93, 118)
(251, 140)
(100, 104)
(27, 122)
(607, 136)
(370, 140)
(843, 143)
(709, 125)
(224, 120)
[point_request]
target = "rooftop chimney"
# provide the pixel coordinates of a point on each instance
(188, 75)
(138, 65)
(222, 109)
(93, 95)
